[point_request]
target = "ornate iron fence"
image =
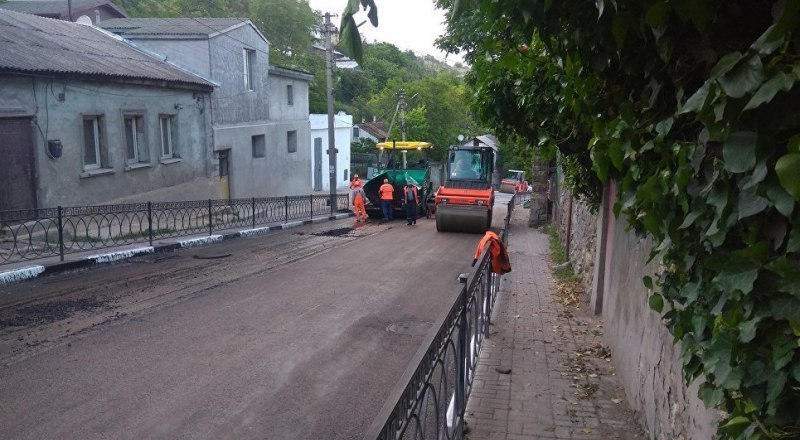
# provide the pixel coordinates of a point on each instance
(432, 403)
(32, 234)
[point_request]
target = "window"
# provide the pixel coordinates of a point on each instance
(355, 132)
(290, 94)
(249, 69)
(135, 145)
(259, 145)
(168, 136)
(93, 143)
(345, 176)
(291, 141)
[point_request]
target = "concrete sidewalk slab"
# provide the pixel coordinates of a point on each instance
(544, 372)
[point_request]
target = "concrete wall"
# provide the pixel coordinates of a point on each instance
(279, 173)
(232, 103)
(63, 181)
(610, 261)
(192, 55)
(646, 359)
(343, 135)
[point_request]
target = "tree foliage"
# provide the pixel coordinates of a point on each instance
(691, 106)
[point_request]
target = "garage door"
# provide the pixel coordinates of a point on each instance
(17, 175)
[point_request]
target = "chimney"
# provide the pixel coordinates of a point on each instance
(96, 16)
(476, 142)
(374, 118)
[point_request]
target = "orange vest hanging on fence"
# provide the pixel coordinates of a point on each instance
(497, 249)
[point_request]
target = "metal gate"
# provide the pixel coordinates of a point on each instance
(18, 179)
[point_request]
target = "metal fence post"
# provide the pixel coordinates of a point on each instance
(311, 202)
(254, 212)
(461, 388)
(286, 209)
(60, 234)
(150, 221)
(210, 222)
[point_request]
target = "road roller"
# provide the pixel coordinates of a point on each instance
(464, 202)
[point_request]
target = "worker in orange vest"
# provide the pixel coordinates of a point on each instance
(359, 197)
(497, 249)
(387, 194)
(410, 199)
(355, 182)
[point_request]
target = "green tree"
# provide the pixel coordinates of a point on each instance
(690, 105)
(288, 24)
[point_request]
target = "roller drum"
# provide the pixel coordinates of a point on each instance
(459, 218)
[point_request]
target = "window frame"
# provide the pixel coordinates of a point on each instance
(97, 138)
(139, 148)
(262, 145)
(290, 94)
(171, 134)
(291, 141)
(249, 56)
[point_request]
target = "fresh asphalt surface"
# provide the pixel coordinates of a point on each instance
(282, 337)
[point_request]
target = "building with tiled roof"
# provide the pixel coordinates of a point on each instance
(374, 131)
(88, 118)
(260, 126)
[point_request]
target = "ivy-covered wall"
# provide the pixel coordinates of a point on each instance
(647, 362)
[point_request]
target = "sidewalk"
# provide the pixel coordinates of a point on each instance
(27, 269)
(544, 372)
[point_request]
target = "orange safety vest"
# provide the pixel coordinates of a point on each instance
(497, 249)
(386, 191)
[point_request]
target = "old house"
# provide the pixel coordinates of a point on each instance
(374, 131)
(88, 11)
(95, 120)
(259, 113)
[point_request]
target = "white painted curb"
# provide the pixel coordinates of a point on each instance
(120, 255)
(25, 273)
(291, 225)
(199, 241)
(253, 232)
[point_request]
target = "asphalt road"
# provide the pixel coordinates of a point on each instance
(301, 334)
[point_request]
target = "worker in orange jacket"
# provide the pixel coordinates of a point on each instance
(359, 197)
(497, 250)
(410, 199)
(355, 182)
(387, 194)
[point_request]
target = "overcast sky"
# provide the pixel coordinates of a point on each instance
(408, 24)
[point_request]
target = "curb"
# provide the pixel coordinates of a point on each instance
(35, 270)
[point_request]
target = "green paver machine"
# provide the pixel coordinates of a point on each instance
(400, 162)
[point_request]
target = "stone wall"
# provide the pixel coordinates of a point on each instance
(611, 267)
(577, 230)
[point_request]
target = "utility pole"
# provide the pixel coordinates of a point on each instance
(69, 10)
(329, 29)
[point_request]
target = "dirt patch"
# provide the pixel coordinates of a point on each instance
(338, 232)
(51, 311)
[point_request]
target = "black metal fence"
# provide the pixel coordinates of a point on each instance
(432, 403)
(31, 234)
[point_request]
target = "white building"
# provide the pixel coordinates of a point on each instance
(343, 131)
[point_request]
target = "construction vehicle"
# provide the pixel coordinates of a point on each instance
(514, 182)
(400, 162)
(464, 202)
